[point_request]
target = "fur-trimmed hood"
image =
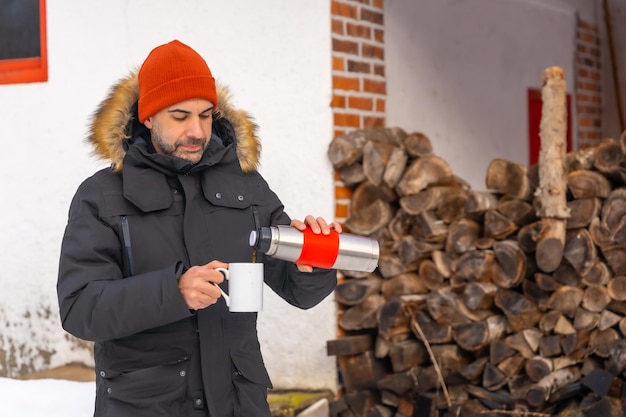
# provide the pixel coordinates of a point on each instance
(113, 121)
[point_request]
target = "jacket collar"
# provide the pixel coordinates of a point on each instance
(114, 125)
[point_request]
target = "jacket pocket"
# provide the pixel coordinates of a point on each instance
(154, 391)
(251, 383)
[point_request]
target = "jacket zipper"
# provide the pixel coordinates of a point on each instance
(128, 252)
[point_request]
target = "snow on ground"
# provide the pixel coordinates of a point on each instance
(46, 397)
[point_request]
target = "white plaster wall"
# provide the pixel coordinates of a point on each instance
(275, 57)
(459, 72)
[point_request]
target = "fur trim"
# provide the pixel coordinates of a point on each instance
(110, 125)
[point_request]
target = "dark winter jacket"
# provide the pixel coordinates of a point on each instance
(132, 231)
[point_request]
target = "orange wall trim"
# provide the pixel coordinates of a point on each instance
(28, 70)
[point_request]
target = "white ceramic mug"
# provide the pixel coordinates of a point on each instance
(245, 286)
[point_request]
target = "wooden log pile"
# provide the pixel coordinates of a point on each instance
(510, 301)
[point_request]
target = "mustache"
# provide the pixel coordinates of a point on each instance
(191, 142)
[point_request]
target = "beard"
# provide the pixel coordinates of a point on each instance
(176, 149)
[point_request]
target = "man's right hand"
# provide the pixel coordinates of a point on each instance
(197, 285)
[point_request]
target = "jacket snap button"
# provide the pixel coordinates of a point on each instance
(183, 373)
(218, 195)
(102, 374)
(240, 198)
(198, 402)
(109, 390)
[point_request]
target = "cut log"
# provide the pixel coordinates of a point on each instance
(538, 367)
(395, 167)
(370, 219)
(375, 157)
(430, 275)
(540, 392)
(355, 291)
(510, 267)
(474, 370)
(567, 275)
(550, 244)
(519, 311)
(421, 173)
(499, 350)
(417, 145)
(411, 250)
(575, 345)
(582, 212)
(364, 315)
(475, 336)
(596, 299)
(509, 178)
(615, 256)
(347, 149)
(585, 319)
(350, 345)
(390, 265)
(547, 282)
(598, 274)
(579, 250)
(498, 226)
(601, 341)
(609, 159)
(616, 288)
(428, 199)
(434, 332)
(462, 234)
(588, 184)
(443, 307)
(479, 295)
(398, 383)
(608, 319)
(566, 300)
(392, 319)
(407, 354)
(475, 265)
(580, 159)
(478, 202)
(518, 211)
(351, 175)
(613, 213)
(443, 262)
(406, 283)
(429, 228)
(452, 207)
(367, 193)
(528, 235)
(360, 372)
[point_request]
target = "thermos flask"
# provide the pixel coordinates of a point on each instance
(335, 251)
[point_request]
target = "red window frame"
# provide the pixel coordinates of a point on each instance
(535, 104)
(28, 70)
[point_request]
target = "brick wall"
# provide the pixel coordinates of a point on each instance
(588, 85)
(359, 84)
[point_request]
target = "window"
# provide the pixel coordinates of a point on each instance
(23, 52)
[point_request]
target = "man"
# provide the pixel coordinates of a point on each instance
(144, 237)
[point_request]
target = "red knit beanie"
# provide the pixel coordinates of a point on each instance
(170, 74)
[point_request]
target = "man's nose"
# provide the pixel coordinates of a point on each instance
(194, 129)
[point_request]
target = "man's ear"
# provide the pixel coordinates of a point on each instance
(148, 123)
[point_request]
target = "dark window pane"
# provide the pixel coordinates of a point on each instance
(19, 29)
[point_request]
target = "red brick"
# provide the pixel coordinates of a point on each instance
(374, 122)
(338, 64)
(338, 101)
(379, 35)
(372, 16)
(381, 105)
(348, 120)
(378, 87)
(343, 193)
(378, 4)
(371, 51)
(337, 26)
(348, 47)
(379, 70)
(360, 31)
(357, 66)
(360, 103)
(346, 83)
(341, 210)
(342, 9)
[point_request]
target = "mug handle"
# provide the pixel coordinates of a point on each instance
(226, 297)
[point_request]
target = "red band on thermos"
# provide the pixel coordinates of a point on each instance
(318, 249)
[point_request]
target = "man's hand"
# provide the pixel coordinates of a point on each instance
(318, 225)
(197, 285)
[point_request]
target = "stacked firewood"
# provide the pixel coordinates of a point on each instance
(484, 303)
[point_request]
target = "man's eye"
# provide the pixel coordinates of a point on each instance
(206, 115)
